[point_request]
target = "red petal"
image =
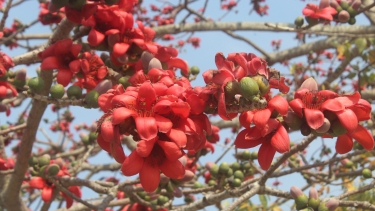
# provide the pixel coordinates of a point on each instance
(280, 140)
(146, 127)
(121, 114)
(333, 105)
(261, 117)
(119, 49)
(64, 76)
(105, 145)
(178, 63)
(240, 59)
(222, 63)
(297, 106)
(314, 118)
(76, 191)
(344, 144)
(107, 131)
(147, 96)
(181, 109)
(47, 194)
(280, 104)
(171, 150)
(95, 37)
(265, 155)
(150, 177)
(246, 118)
(63, 47)
(173, 169)
(117, 151)
(75, 50)
(132, 164)
(144, 147)
(248, 138)
(178, 137)
(348, 119)
(364, 137)
(37, 182)
(51, 63)
(164, 124)
(196, 103)
(349, 100)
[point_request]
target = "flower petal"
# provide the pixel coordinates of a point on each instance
(297, 106)
(173, 169)
(171, 150)
(132, 164)
(146, 127)
(164, 124)
(37, 182)
(144, 147)
(261, 117)
(280, 140)
(280, 104)
(314, 118)
(178, 137)
(348, 119)
(265, 155)
(245, 138)
(64, 76)
(150, 177)
(246, 118)
(364, 137)
(344, 144)
(47, 194)
(120, 114)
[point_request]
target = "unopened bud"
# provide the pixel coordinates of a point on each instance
(329, 205)
(300, 198)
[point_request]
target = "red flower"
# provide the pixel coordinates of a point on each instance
(316, 12)
(5, 63)
(308, 104)
(169, 56)
(6, 164)
(60, 56)
(48, 188)
(275, 139)
(92, 69)
(46, 17)
(162, 156)
(260, 117)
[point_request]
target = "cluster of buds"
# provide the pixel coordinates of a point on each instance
(42, 166)
(228, 175)
(346, 10)
(312, 202)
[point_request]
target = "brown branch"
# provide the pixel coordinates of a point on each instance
(12, 129)
(5, 15)
(9, 196)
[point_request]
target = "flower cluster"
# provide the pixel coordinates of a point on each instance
(329, 114)
(42, 169)
(67, 58)
(165, 116)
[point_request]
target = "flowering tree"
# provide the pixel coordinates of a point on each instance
(122, 59)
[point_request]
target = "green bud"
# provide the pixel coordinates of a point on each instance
(33, 161)
(93, 136)
(36, 84)
(74, 92)
(236, 182)
(44, 160)
(249, 88)
(246, 155)
(124, 81)
(194, 70)
(214, 171)
(299, 21)
(212, 183)
(224, 168)
(239, 174)
(366, 173)
(91, 99)
(235, 166)
(53, 169)
(313, 203)
(57, 91)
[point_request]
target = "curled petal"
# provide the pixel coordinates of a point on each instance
(280, 140)
(37, 182)
(173, 169)
(121, 114)
(171, 150)
(148, 172)
(348, 119)
(146, 127)
(47, 194)
(314, 118)
(364, 137)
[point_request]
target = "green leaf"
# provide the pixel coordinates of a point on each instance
(263, 201)
(351, 75)
(361, 44)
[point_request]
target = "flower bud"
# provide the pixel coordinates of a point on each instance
(249, 88)
(189, 175)
(154, 63)
(36, 84)
(309, 84)
(323, 4)
(224, 168)
(347, 163)
(145, 59)
(209, 165)
(356, 4)
(164, 179)
(91, 99)
(183, 160)
(313, 199)
(334, 4)
(329, 205)
(57, 91)
(300, 198)
(103, 86)
(53, 169)
(177, 192)
(299, 21)
(344, 16)
(74, 92)
(194, 70)
(325, 127)
(44, 160)
(366, 173)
